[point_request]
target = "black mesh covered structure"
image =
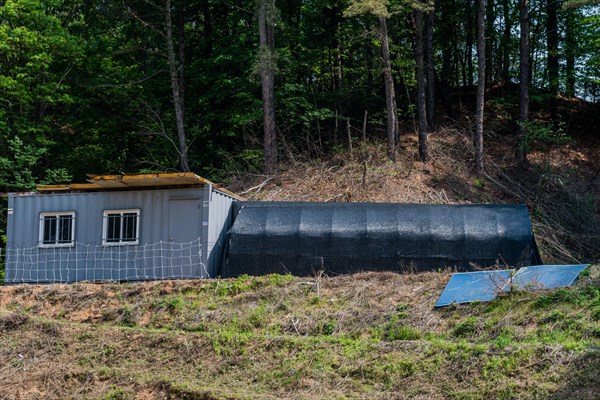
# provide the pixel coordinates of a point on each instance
(304, 237)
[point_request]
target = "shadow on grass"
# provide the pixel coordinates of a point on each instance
(582, 379)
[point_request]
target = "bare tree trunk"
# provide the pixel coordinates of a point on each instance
(267, 77)
(349, 134)
(421, 107)
(456, 62)
(490, 37)
(506, 43)
(390, 95)
(364, 126)
(174, 66)
(469, 33)
(369, 50)
(570, 46)
(338, 79)
(553, 62)
(395, 108)
(338, 65)
(523, 79)
(480, 87)
(431, 122)
(207, 50)
(181, 51)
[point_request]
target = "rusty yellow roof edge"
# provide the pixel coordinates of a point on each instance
(65, 187)
(84, 186)
(42, 188)
(94, 182)
(125, 177)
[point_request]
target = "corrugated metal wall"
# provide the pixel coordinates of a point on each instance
(219, 222)
(172, 217)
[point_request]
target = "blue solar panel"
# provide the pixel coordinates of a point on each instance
(467, 287)
(539, 277)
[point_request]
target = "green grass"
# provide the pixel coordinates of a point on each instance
(365, 336)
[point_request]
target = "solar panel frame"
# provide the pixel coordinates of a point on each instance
(468, 287)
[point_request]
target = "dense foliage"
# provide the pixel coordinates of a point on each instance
(88, 86)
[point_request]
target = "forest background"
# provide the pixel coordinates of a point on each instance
(219, 87)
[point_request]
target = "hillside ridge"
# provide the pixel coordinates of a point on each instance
(366, 335)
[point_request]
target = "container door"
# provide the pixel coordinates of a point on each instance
(185, 220)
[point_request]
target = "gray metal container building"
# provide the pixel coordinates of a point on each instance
(131, 227)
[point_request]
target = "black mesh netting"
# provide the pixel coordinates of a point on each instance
(302, 238)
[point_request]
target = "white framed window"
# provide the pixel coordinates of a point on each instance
(57, 229)
(121, 227)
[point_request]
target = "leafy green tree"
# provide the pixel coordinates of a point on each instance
(38, 53)
(16, 169)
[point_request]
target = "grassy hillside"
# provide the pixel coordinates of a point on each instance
(370, 335)
(364, 336)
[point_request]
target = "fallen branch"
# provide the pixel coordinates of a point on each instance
(257, 187)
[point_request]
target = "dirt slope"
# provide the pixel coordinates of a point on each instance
(370, 335)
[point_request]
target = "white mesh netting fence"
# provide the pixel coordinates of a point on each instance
(83, 262)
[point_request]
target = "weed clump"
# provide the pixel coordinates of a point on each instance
(401, 332)
(12, 321)
(466, 328)
(128, 315)
(117, 393)
(170, 303)
(241, 284)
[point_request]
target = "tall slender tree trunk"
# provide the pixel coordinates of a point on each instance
(181, 52)
(456, 59)
(470, 33)
(480, 87)
(174, 66)
(524, 59)
(490, 38)
(506, 43)
(369, 51)
(369, 55)
(553, 62)
(337, 72)
(390, 94)
(338, 65)
(570, 49)
(420, 72)
(266, 24)
(207, 51)
(429, 56)
(446, 28)
(463, 70)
